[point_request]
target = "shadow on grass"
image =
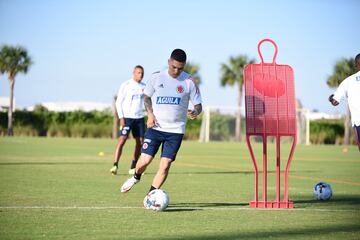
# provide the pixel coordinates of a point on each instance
(337, 199)
(189, 207)
(283, 233)
(209, 204)
(170, 209)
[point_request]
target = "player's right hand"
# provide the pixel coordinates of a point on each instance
(151, 121)
(192, 114)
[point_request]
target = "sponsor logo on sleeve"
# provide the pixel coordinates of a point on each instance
(168, 100)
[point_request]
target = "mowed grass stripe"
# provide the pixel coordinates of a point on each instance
(329, 180)
(174, 208)
(247, 157)
(66, 192)
(231, 169)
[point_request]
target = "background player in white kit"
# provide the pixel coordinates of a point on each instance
(350, 88)
(130, 109)
(167, 96)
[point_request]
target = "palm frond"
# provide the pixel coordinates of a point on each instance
(14, 60)
(342, 69)
(232, 72)
(193, 69)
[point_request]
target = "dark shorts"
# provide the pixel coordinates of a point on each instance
(136, 126)
(357, 135)
(171, 143)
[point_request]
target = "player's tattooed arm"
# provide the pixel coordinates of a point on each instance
(151, 121)
(198, 108)
(148, 104)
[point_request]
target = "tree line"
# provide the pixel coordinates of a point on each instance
(15, 60)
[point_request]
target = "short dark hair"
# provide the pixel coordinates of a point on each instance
(139, 66)
(178, 55)
(357, 58)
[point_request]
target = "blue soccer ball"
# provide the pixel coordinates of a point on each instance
(322, 191)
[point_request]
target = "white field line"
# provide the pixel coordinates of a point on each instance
(181, 208)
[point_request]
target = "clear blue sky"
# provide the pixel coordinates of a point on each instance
(83, 50)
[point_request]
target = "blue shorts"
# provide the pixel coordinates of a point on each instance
(170, 143)
(135, 125)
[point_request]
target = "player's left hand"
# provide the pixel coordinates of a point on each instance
(121, 123)
(192, 114)
(332, 100)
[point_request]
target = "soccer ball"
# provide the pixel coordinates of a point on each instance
(156, 200)
(322, 191)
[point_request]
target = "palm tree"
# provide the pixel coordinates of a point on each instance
(232, 74)
(13, 60)
(193, 70)
(342, 69)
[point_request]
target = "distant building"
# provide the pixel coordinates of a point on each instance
(5, 104)
(320, 115)
(74, 106)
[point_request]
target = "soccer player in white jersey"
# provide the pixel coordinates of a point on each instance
(350, 88)
(130, 109)
(167, 97)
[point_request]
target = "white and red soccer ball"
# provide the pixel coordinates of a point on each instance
(156, 200)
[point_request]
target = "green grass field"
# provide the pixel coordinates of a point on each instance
(53, 188)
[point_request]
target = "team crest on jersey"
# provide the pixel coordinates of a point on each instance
(168, 100)
(179, 89)
(358, 78)
(145, 146)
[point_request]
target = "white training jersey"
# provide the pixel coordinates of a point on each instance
(170, 99)
(130, 100)
(350, 88)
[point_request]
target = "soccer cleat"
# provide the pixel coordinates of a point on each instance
(131, 171)
(113, 170)
(128, 184)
